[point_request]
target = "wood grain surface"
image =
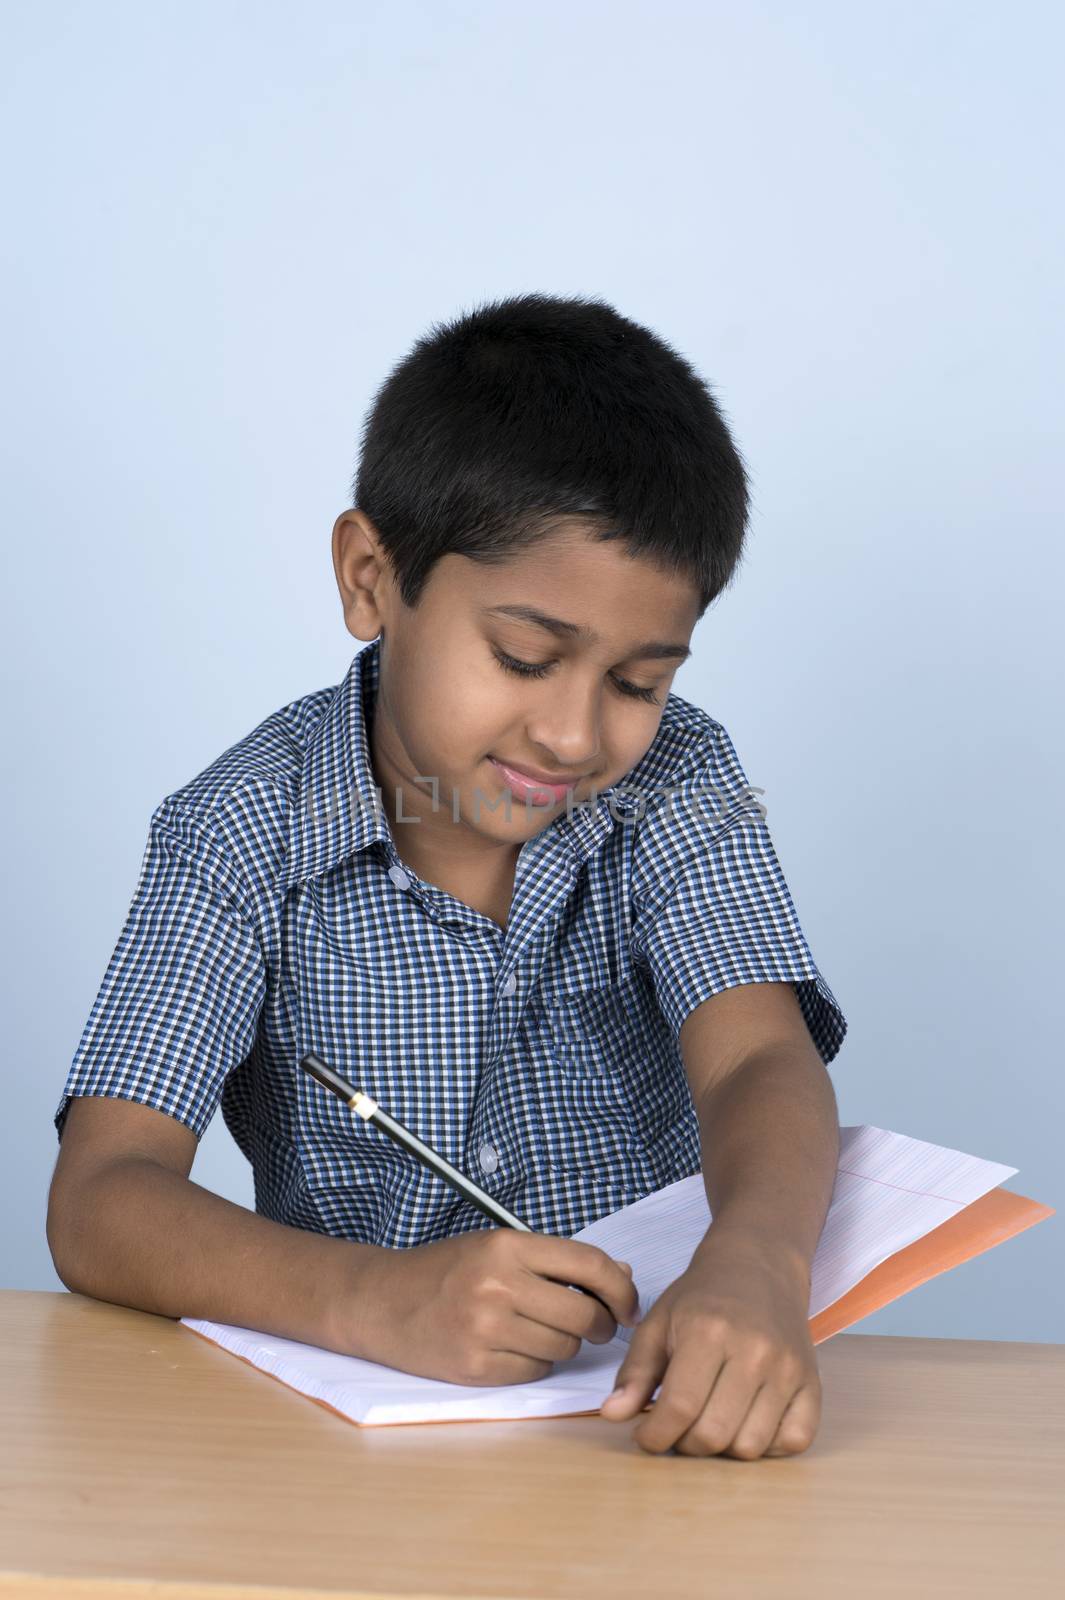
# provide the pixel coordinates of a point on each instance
(137, 1459)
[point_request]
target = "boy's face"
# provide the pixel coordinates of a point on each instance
(449, 709)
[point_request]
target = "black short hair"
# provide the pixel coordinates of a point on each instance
(533, 410)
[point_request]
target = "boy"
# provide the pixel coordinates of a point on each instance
(575, 993)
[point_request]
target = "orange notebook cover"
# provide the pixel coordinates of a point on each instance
(995, 1217)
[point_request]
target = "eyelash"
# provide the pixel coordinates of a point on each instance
(526, 669)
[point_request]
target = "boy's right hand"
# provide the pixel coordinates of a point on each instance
(487, 1307)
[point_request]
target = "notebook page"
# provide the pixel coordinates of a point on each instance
(371, 1394)
(889, 1191)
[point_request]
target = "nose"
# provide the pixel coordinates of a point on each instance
(565, 731)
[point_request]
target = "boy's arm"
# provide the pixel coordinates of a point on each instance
(177, 1010)
(127, 1224)
(768, 1120)
(729, 1341)
(487, 1306)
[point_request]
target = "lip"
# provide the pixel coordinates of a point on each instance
(523, 781)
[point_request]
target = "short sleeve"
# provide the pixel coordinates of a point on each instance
(711, 907)
(180, 1000)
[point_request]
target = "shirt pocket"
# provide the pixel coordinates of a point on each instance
(615, 1085)
(591, 1027)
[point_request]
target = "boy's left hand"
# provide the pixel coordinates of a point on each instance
(735, 1323)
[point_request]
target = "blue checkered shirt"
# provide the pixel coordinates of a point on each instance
(273, 916)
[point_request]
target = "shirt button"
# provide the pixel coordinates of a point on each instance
(399, 877)
(510, 985)
(488, 1158)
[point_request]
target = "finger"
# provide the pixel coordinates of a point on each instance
(505, 1368)
(571, 1261)
(757, 1429)
(692, 1376)
(523, 1336)
(640, 1373)
(702, 1423)
(560, 1306)
(727, 1404)
(798, 1425)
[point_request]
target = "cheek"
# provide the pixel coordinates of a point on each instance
(486, 711)
(631, 742)
(462, 724)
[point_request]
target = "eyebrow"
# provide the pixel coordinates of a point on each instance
(652, 650)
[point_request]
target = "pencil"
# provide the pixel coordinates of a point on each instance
(367, 1107)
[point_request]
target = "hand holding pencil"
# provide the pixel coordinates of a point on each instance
(489, 1307)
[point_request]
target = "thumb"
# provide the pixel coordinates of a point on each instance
(639, 1374)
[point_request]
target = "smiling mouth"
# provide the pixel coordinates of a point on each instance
(522, 784)
(543, 779)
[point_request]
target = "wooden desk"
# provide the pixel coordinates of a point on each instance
(134, 1450)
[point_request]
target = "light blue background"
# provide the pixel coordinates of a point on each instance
(226, 223)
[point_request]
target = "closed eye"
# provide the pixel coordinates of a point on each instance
(529, 669)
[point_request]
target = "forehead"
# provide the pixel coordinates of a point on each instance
(596, 590)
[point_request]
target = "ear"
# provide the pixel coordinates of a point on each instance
(363, 574)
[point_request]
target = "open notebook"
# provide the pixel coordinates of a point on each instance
(901, 1212)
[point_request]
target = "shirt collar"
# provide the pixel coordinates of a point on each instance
(338, 809)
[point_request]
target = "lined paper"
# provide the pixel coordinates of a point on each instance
(890, 1190)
